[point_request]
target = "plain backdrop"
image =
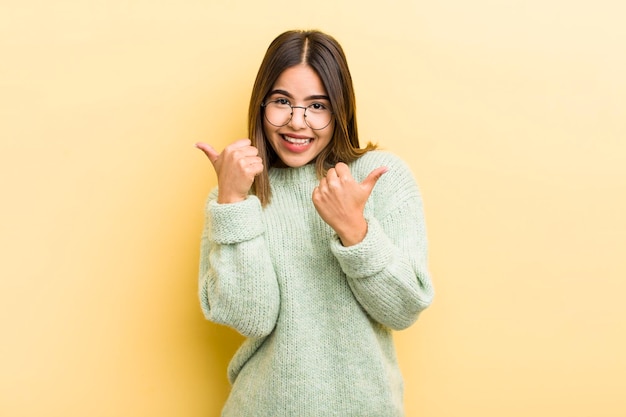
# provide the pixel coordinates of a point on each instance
(511, 115)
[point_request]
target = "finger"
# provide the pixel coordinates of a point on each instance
(370, 181)
(241, 148)
(343, 171)
(315, 195)
(208, 150)
(251, 164)
(256, 160)
(248, 151)
(241, 143)
(332, 180)
(237, 146)
(256, 167)
(259, 171)
(323, 185)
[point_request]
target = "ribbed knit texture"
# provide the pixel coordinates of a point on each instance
(318, 316)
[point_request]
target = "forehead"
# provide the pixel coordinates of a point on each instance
(300, 81)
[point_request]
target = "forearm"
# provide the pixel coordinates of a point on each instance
(238, 287)
(387, 272)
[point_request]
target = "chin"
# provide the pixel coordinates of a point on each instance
(295, 162)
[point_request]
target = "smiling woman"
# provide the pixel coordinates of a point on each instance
(516, 137)
(308, 249)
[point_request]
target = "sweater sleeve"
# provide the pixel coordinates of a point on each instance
(387, 271)
(237, 282)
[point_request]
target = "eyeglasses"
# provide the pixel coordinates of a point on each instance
(279, 113)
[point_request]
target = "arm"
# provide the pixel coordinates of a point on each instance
(387, 271)
(237, 283)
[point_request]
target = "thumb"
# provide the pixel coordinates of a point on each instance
(209, 151)
(370, 181)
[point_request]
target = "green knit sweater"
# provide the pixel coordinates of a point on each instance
(317, 316)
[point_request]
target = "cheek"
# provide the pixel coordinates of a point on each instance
(328, 136)
(268, 131)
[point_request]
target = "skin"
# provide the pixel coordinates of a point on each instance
(339, 199)
(301, 86)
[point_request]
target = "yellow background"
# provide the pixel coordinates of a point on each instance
(510, 113)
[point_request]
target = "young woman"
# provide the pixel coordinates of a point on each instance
(314, 248)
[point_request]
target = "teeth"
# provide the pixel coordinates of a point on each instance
(297, 141)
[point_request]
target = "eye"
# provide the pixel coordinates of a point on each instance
(318, 107)
(282, 102)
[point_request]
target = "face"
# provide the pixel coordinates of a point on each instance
(295, 143)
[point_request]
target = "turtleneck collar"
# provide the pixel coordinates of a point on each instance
(290, 175)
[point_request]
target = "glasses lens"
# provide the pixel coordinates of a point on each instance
(317, 116)
(278, 112)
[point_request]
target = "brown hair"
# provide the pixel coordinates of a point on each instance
(324, 54)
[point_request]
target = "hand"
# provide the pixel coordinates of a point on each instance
(340, 201)
(235, 167)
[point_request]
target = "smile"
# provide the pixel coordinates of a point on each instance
(297, 141)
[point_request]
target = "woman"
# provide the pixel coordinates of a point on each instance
(313, 248)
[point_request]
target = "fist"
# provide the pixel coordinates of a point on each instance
(340, 200)
(236, 167)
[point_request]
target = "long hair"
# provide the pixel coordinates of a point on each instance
(324, 54)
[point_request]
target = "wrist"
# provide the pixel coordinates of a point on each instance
(353, 234)
(229, 198)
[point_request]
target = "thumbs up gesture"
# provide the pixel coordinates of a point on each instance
(340, 200)
(236, 166)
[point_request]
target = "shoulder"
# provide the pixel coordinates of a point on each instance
(371, 160)
(395, 187)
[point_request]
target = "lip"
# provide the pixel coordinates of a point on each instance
(293, 135)
(295, 148)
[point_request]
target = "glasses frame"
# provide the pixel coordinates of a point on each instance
(305, 108)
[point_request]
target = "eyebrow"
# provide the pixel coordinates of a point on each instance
(312, 97)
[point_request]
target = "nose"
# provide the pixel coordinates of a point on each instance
(298, 118)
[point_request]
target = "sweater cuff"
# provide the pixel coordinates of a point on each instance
(366, 258)
(236, 222)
